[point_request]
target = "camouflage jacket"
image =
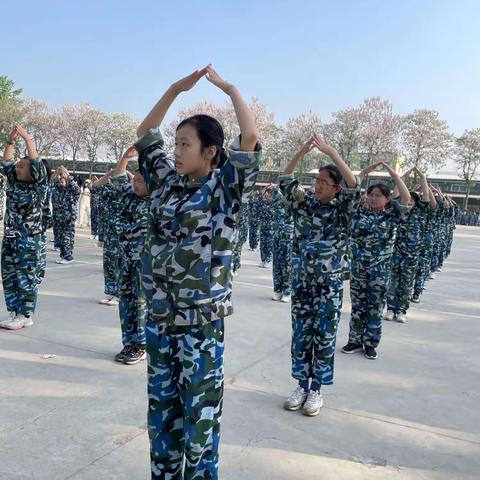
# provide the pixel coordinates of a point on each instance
(111, 207)
(373, 233)
(133, 220)
(188, 252)
(321, 231)
(65, 200)
(282, 215)
(411, 230)
(25, 201)
(47, 217)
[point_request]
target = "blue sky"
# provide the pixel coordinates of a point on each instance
(294, 56)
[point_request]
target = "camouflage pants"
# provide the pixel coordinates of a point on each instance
(448, 245)
(237, 250)
(423, 268)
(20, 258)
(368, 290)
(185, 396)
(282, 262)
(402, 281)
(266, 242)
(42, 261)
(437, 254)
(66, 238)
(253, 227)
(316, 309)
(132, 304)
(55, 227)
(94, 216)
(111, 264)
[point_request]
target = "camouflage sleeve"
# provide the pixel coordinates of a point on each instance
(239, 173)
(38, 171)
(75, 189)
(121, 184)
(288, 187)
(350, 198)
(8, 169)
(400, 211)
(153, 161)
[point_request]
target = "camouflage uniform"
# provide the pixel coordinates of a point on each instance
(266, 233)
(451, 226)
(112, 201)
(319, 261)
(47, 222)
(253, 222)
(372, 242)
(3, 189)
(22, 239)
(132, 230)
(282, 244)
(187, 281)
(241, 237)
(405, 258)
(94, 220)
(423, 269)
(438, 236)
(65, 208)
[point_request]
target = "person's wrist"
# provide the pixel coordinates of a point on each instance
(10, 142)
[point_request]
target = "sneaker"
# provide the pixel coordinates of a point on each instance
(263, 265)
(352, 348)
(235, 273)
(104, 301)
(19, 322)
(313, 404)
(112, 302)
(440, 269)
(296, 400)
(135, 355)
(120, 356)
(285, 299)
(99, 244)
(11, 316)
(55, 249)
(277, 296)
(416, 299)
(370, 353)
(401, 317)
(64, 261)
(389, 316)
(431, 276)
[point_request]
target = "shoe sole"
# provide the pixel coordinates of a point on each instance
(352, 351)
(311, 414)
(370, 358)
(292, 409)
(133, 362)
(9, 327)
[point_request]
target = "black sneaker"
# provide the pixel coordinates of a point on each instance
(416, 299)
(120, 357)
(135, 355)
(370, 353)
(352, 348)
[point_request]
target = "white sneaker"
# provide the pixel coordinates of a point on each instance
(11, 316)
(112, 302)
(389, 315)
(313, 404)
(104, 301)
(235, 274)
(263, 265)
(55, 249)
(285, 298)
(277, 296)
(440, 269)
(296, 400)
(19, 322)
(431, 276)
(401, 317)
(63, 261)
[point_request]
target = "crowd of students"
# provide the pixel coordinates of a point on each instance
(172, 234)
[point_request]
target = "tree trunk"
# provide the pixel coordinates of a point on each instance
(467, 194)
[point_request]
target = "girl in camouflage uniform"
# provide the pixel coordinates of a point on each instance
(195, 200)
(374, 228)
(319, 260)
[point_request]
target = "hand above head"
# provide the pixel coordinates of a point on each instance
(23, 132)
(321, 144)
(214, 77)
(14, 135)
(187, 83)
(369, 169)
(308, 146)
(131, 152)
(418, 172)
(389, 169)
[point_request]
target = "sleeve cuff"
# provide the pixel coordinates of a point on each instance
(152, 137)
(242, 159)
(351, 191)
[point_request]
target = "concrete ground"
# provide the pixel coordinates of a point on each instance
(412, 414)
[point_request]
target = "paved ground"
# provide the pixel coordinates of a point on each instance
(412, 414)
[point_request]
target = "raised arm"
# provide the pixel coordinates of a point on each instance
(347, 174)
(123, 163)
(31, 148)
(423, 184)
(307, 147)
(103, 180)
(9, 151)
(158, 112)
(367, 170)
(245, 118)
(400, 184)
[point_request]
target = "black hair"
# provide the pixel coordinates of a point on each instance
(333, 173)
(384, 189)
(210, 133)
(47, 168)
(415, 197)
